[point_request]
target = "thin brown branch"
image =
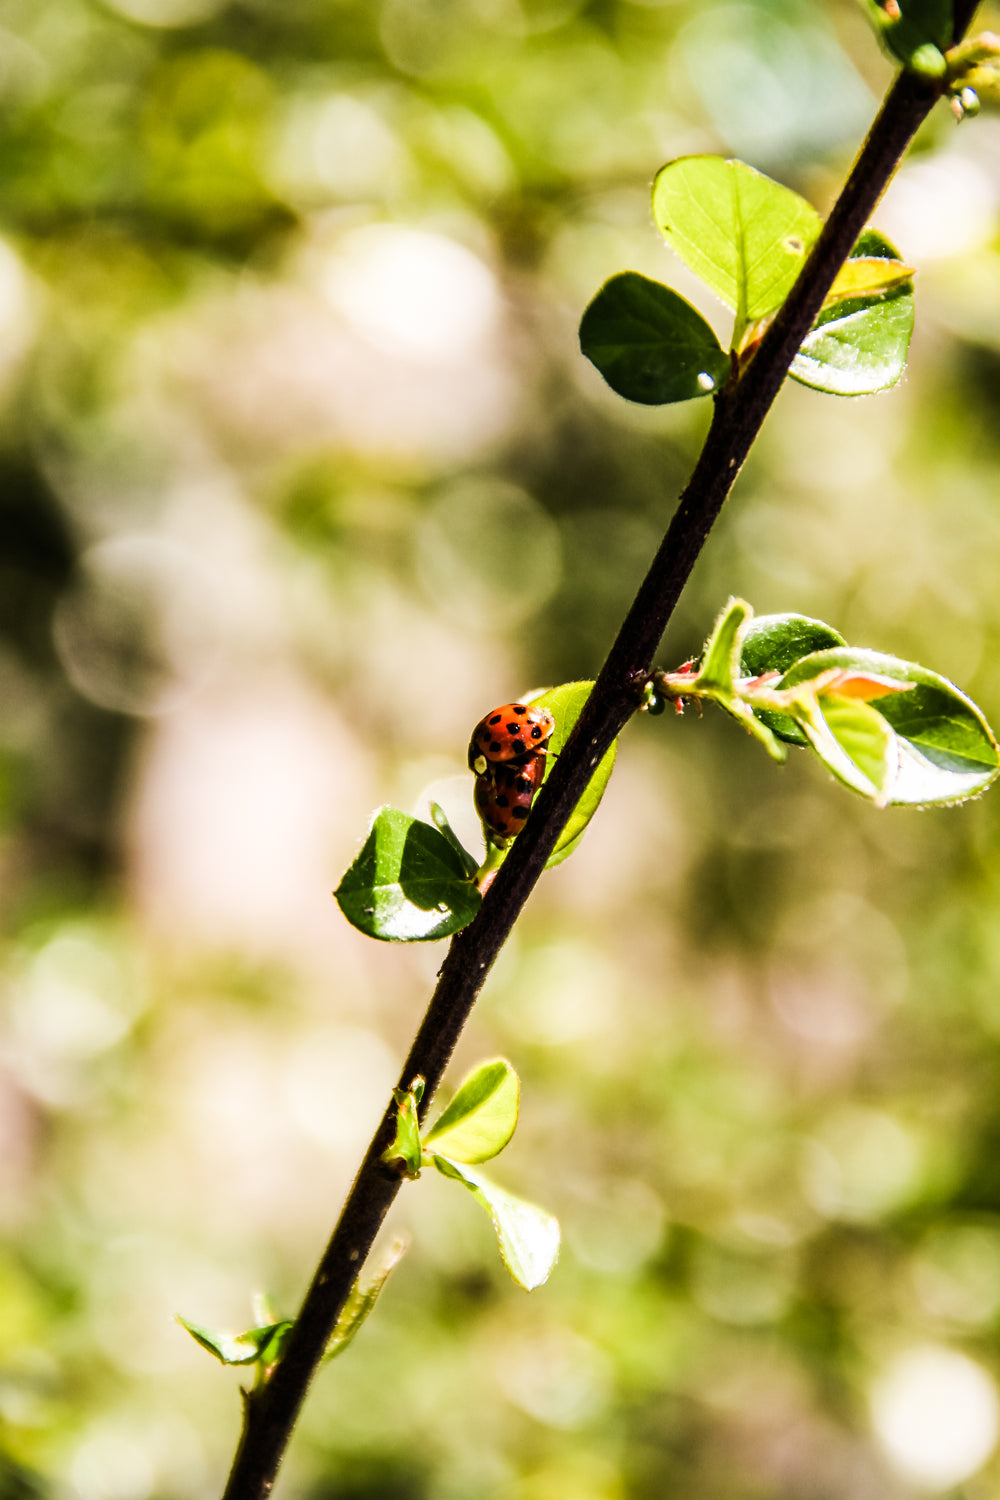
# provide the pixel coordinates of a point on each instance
(739, 413)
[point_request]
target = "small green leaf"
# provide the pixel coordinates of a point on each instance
(440, 820)
(565, 704)
(772, 643)
(481, 1118)
(947, 750)
(239, 1348)
(867, 276)
(744, 235)
(360, 1301)
(404, 1154)
(855, 744)
(721, 657)
(859, 345)
(408, 884)
(649, 344)
(528, 1236)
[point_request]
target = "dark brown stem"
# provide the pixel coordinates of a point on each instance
(740, 409)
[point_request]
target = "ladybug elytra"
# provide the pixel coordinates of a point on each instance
(504, 794)
(511, 732)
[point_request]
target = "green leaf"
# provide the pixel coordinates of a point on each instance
(947, 750)
(565, 703)
(744, 235)
(408, 884)
(916, 32)
(240, 1348)
(867, 276)
(859, 345)
(482, 1117)
(440, 820)
(720, 660)
(528, 1236)
(649, 344)
(855, 744)
(772, 643)
(404, 1154)
(360, 1301)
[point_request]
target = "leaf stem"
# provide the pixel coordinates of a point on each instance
(740, 408)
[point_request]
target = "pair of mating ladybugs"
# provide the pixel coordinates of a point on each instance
(507, 757)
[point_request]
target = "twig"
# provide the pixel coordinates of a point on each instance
(740, 409)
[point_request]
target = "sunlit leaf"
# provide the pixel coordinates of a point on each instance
(720, 661)
(482, 1117)
(528, 1236)
(649, 344)
(565, 703)
(772, 643)
(404, 1154)
(947, 750)
(859, 346)
(856, 744)
(240, 1348)
(867, 276)
(360, 1301)
(746, 236)
(408, 884)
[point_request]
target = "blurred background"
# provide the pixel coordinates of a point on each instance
(301, 472)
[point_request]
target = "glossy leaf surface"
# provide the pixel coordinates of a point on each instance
(649, 344)
(565, 703)
(481, 1118)
(360, 1301)
(528, 1236)
(859, 345)
(773, 643)
(947, 751)
(745, 235)
(408, 884)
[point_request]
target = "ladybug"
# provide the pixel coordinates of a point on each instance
(514, 731)
(504, 793)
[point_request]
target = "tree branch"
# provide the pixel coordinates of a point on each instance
(740, 409)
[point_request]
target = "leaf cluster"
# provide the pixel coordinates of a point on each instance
(747, 238)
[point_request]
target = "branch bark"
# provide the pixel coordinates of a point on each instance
(740, 409)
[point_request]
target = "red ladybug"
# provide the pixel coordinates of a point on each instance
(504, 794)
(512, 732)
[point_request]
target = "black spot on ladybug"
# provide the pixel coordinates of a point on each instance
(495, 719)
(495, 747)
(536, 733)
(524, 783)
(519, 812)
(514, 728)
(501, 800)
(517, 745)
(519, 708)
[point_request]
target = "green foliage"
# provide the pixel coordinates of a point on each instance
(890, 730)
(528, 1236)
(482, 1116)
(747, 238)
(565, 703)
(408, 884)
(475, 1127)
(859, 343)
(744, 235)
(362, 1298)
(649, 344)
(259, 1346)
(943, 749)
(404, 1153)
